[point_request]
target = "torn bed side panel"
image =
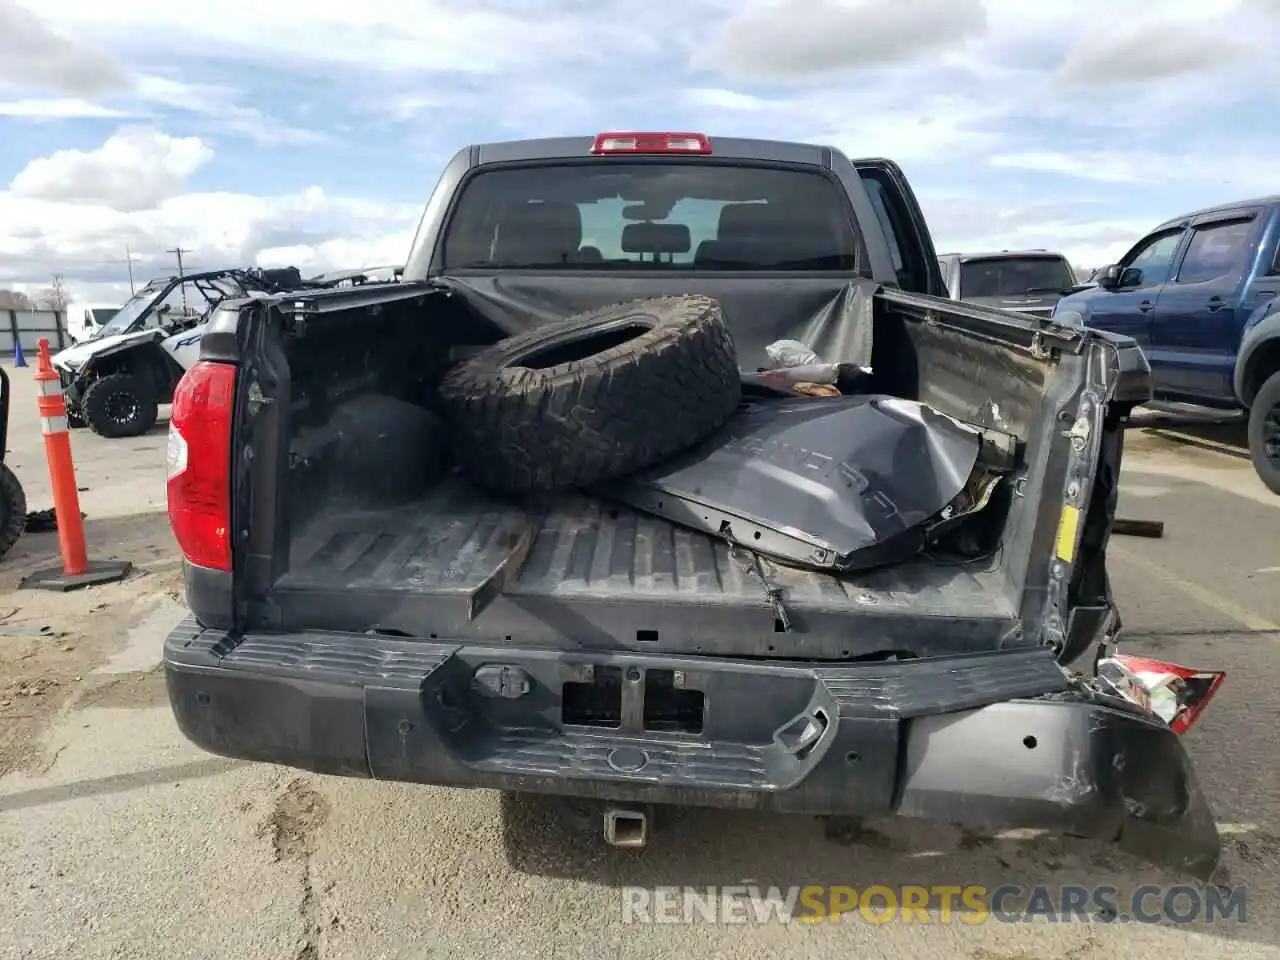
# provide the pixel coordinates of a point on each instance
(839, 483)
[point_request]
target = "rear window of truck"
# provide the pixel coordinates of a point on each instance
(683, 216)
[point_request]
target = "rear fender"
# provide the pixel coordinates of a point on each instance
(1259, 354)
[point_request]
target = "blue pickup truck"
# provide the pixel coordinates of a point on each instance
(1200, 295)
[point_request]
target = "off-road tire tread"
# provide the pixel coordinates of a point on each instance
(95, 416)
(13, 509)
(519, 430)
(1267, 397)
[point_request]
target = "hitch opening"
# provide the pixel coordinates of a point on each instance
(625, 827)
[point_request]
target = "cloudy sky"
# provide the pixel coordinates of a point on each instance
(310, 133)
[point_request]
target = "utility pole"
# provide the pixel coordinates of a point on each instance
(128, 259)
(178, 251)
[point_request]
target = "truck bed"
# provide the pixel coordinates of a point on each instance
(601, 573)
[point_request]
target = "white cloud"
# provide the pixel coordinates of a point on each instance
(76, 212)
(38, 52)
(1246, 168)
(33, 53)
(339, 253)
(1085, 232)
(905, 124)
(807, 38)
(719, 99)
(1108, 168)
(309, 229)
(215, 107)
(906, 139)
(1109, 56)
(62, 108)
(1005, 114)
(392, 35)
(219, 105)
(134, 170)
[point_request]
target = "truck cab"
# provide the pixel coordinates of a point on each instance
(1198, 293)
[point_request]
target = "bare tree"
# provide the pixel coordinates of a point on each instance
(15, 300)
(54, 297)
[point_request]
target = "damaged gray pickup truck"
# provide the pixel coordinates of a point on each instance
(890, 597)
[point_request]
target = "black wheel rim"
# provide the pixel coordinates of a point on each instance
(1271, 436)
(121, 408)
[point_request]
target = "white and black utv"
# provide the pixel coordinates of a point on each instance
(115, 381)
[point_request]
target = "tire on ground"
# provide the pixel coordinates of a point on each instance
(119, 405)
(1265, 407)
(593, 397)
(13, 510)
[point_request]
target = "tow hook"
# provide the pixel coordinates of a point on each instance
(626, 827)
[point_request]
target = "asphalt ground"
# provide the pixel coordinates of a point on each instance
(118, 839)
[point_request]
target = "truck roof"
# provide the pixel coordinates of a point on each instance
(734, 148)
(1269, 201)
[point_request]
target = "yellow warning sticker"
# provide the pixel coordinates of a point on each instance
(1068, 526)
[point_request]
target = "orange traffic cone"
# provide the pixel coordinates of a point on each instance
(77, 569)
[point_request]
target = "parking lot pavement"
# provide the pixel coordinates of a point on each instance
(119, 839)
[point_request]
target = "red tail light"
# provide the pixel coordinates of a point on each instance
(199, 461)
(634, 143)
(1178, 695)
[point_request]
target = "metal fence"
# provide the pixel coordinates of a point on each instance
(28, 326)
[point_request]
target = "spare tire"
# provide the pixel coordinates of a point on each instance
(593, 397)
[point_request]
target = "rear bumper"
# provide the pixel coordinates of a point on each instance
(990, 741)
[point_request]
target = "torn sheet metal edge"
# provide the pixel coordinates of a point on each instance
(753, 566)
(781, 544)
(749, 533)
(986, 481)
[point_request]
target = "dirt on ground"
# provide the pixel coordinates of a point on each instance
(50, 642)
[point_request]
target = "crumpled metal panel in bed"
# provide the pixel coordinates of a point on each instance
(838, 483)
